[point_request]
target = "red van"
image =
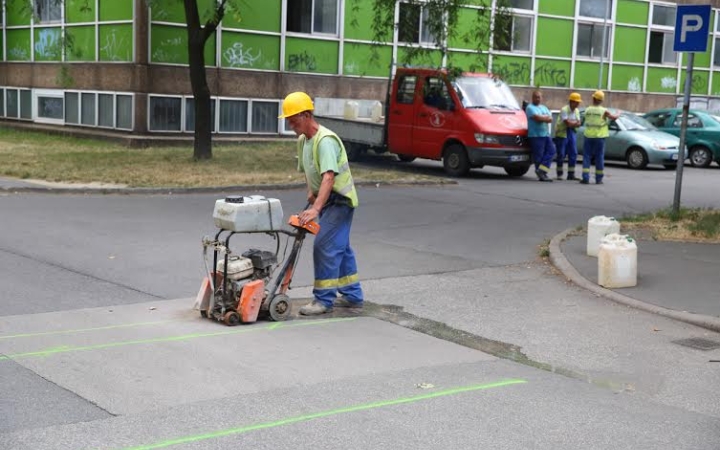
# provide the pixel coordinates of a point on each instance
(472, 120)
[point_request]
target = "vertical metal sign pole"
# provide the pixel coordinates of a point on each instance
(683, 131)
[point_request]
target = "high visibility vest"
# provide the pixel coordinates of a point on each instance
(560, 125)
(343, 184)
(595, 124)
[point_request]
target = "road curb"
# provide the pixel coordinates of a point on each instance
(202, 190)
(558, 259)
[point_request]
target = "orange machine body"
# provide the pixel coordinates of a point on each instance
(251, 298)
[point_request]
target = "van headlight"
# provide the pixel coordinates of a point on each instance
(486, 138)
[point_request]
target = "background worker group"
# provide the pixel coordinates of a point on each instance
(544, 149)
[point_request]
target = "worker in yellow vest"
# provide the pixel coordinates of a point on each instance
(332, 198)
(565, 143)
(597, 118)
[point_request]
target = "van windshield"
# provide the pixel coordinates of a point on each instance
(483, 92)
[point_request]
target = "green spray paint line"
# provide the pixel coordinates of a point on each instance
(332, 412)
(184, 337)
(84, 330)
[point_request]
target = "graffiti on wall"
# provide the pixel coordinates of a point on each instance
(513, 73)
(48, 44)
(669, 83)
(634, 85)
(18, 54)
(547, 74)
(698, 83)
(166, 49)
(238, 56)
(302, 62)
(114, 47)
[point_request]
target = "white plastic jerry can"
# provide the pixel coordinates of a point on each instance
(352, 110)
(598, 228)
(617, 261)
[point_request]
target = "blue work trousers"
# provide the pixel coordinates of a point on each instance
(594, 150)
(333, 259)
(566, 146)
(543, 151)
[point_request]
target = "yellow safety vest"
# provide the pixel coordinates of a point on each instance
(343, 184)
(595, 124)
(560, 125)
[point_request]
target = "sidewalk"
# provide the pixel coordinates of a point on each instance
(674, 279)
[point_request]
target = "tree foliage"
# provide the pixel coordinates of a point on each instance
(441, 19)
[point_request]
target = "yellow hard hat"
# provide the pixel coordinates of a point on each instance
(599, 95)
(575, 97)
(295, 103)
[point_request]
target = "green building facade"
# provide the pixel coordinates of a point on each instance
(116, 64)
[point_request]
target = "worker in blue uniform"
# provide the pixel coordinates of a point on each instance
(543, 149)
(332, 198)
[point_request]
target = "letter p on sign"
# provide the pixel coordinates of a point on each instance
(692, 23)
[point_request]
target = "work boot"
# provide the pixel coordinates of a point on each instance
(599, 182)
(343, 302)
(542, 176)
(571, 177)
(559, 175)
(315, 309)
(584, 181)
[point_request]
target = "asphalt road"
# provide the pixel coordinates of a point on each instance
(100, 349)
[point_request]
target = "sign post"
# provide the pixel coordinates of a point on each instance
(692, 23)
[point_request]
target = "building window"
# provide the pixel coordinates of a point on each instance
(106, 110)
(165, 113)
(312, 16)
(413, 26)
(664, 15)
(233, 116)
(590, 40)
(600, 9)
(48, 11)
(661, 48)
(124, 112)
(13, 108)
(26, 104)
(72, 108)
(264, 117)
(50, 106)
(190, 114)
(87, 109)
(2, 103)
(519, 39)
(716, 54)
(520, 4)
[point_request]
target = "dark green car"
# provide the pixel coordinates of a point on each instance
(702, 136)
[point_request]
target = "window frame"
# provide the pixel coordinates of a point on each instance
(48, 5)
(47, 93)
(312, 32)
(531, 39)
(668, 32)
(149, 113)
(580, 16)
(252, 114)
(248, 114)
(608, 41)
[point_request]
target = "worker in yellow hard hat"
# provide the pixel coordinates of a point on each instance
(597, 119)
(565, 143)
(332, 200)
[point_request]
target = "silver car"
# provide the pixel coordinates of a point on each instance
(636, 141)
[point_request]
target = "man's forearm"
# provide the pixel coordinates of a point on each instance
(325, 190)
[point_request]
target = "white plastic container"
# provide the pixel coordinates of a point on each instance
(352, 110)
(598, 228)
(376, 112)
(248, 214)
(617, 261)
(239, 267)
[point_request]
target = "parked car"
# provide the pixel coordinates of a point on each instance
(702, 137)
(636, 141)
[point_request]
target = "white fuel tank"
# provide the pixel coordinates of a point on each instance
(617, 261)
(248, 214)
(598, 228)
(238, 267)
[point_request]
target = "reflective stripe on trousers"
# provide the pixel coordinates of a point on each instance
(543, 151)
(566, 146)
(333, 258)
(594, 150)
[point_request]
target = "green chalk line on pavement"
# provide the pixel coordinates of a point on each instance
(332, 412)
(183, 337)
(83, 330)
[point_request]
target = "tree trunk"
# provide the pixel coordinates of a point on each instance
(201, 92)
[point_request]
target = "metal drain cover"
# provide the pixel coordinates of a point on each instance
(699, 343)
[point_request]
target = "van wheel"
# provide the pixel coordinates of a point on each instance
(406, 158)
(517, 171)
(354, 151)
(455, 161)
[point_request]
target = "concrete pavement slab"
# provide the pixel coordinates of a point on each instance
(486, 404)
(181, 358)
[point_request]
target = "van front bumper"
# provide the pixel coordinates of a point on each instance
(501, 157)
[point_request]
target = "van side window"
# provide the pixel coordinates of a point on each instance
(435, 93)
(406, 89)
